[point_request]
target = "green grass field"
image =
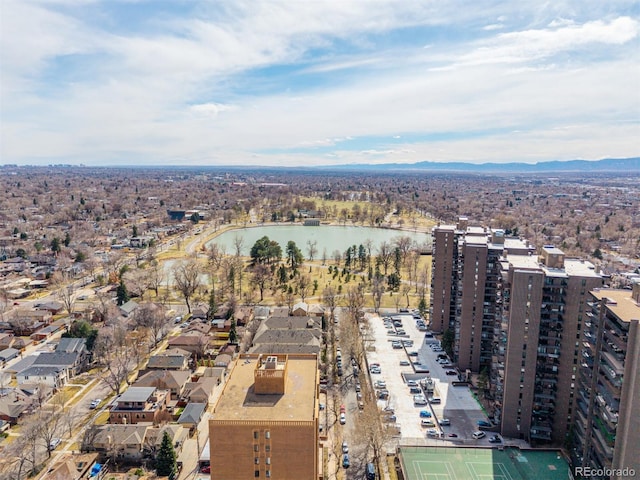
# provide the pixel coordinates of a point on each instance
(449, 463)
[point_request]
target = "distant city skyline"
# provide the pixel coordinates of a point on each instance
(301, 83)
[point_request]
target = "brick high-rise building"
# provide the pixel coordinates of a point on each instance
(606, 432)
(265, 424)
(538, 345)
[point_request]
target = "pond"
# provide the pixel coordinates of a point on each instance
(328, 238)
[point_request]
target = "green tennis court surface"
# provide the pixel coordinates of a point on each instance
(447, 463)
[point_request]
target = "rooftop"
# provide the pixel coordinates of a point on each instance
(136, 394)
(625, 308)
(239, 401)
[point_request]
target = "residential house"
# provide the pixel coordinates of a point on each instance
(300, 309)
(6, 340)
(77, 466)
(194, 342)
(200, 327)
(72, 362)
(172, 380)
(243, 315)
(55, 377)
(134, 442)
(199, 313)
(191, 415)
(8, 354)
(288, 335)
(13, 403)
(222, 360)
(52, 307)
(127, 309)
(201, 391)
(172, 359)
(139, 404)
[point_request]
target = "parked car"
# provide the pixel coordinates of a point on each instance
(343, 419)
(94, 403)
(478, 435)
(483, 423)
(54, 443)
(451, 372)
(206, 469)
(452, 435)
(404, 363)
(390, 419)
(425, 414)
(413, 354)
(427, 423)
(419, 400)
(412, 383)
(495, 439)
(415, 390)
(343, 409)
(389, 410)
(345, 447)
(445, 422)
(345, 461)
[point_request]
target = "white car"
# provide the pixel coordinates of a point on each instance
(94, 403)
(345, 447)
(343, 419)
(419, 400)
(54, 443)
(479, 434)
(445, 422)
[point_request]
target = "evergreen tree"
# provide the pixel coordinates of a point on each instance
(233, 335)
(122, 295)
(213, 307)
(166, 465)
(67, 239)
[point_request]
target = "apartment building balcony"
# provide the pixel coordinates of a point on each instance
(609, 415)
(540, 433)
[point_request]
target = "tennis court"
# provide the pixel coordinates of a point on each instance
(458, 463)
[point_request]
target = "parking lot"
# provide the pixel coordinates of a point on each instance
(406, 364)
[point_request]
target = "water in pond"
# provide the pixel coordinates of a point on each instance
(328, 238)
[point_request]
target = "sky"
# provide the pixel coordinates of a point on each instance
(302, 83)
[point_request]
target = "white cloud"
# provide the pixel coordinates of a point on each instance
(184, 93)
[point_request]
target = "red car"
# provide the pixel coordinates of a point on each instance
(342, 409)
(206, 469)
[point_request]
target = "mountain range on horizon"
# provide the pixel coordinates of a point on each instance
(631, 165)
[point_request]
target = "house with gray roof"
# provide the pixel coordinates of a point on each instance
(191, 415)
(55, 377)
(8, 354)
(172, 359)
(134, 442)
(73, 362)
(172, 380)
(127, 309)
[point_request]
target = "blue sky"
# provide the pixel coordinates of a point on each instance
(297, 82)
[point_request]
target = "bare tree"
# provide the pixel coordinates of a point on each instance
(405, 289)
(137, 282)
(303, 284)
(187, 279)
(385, 254)
(50, 425)
(65, 291)
(404, 244)
(330, 300)
(155, 276)
(23, 451)
(377, 291)
(4, 302)
(370, 431)
(311, 249)
(355, 303)
(153, 318)
(115, 352)
(261, 277)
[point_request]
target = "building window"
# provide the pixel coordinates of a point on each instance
(256, 473)
(267, 448)
(268, 473)
(256, 448)
(256, 434)
(267, 434)
(256, 460)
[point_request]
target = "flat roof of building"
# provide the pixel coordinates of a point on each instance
(458, 463)
(580, 268)
(529, 262)
(625, 308)
(239, 402)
